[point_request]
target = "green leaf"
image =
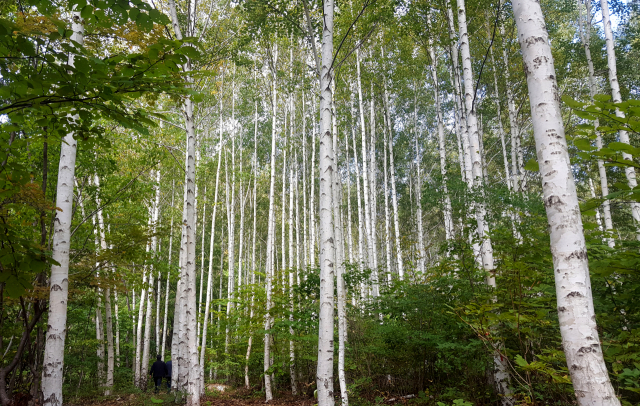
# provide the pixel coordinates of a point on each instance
(521, 361)
(154, 400)
(569, 101)
(591, 204)
(624, 147)
(532, 165)
(86, 12)
(583, 144)
(604, 98)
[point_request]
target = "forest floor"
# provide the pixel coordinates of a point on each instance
(213, 397)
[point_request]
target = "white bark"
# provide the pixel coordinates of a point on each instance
(253, 245)
(448, 217)
(361, 220)
(496, 99)
(305, 212)
(418, 183)
(373, 189)
(324, 374)
(150, 294)
(585, 37)
(204, 229)
(474, 145)
(203, 347)
(392, 169)
(53, 360)
(138, 378)
(501, 375)
(270, 232)
(292, 352)
(167, 291)
(573, 286)
(312, 201)
(387, 227)
(190, 376)
(339, 252)
(629, 171)
(365, 175)
(516, 170)
(349, 217)
(107, 295)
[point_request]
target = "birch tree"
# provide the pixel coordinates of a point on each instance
(53, 361)
(580, 338)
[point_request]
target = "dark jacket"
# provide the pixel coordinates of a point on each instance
(158, 369)
(168, 369)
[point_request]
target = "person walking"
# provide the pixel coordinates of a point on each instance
(158, 371)
(168, 375)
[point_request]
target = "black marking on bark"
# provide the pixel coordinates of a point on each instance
(580, 254)
(585, 350)
(538, 61)
(533, 40)
(552, 201)
(562, 309)
(575, 294)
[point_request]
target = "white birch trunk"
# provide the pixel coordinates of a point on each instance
(107, 296)
(349, 217)
(501, 373)
(361, 220)
(53, 360)
(203, 347)
(305, 212)
(270, 233)
(394, 195)
(585, 37)
(167, 291)
(373, 190)
(576, 314)
(189, 368)
(292, 352)
(154, 247)
(204, 229)
(448, 217)
(365, 176)
(387, 227)
(629, 170)
(253, 245)
(421, 251)
(496, 99)
(324, 374)
(339, 252)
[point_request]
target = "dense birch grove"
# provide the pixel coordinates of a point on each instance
(428, 202)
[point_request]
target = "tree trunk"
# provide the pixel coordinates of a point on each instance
(365, 175)
(324, 372)
(387, 227)
(585, 37)
(394, 195)
(501, 374)
(203, 347)
(448, 217)
(361, 220)
(107, 295)
(253, 245)
(573, 286)
(339, 252)
(623, 135)
(270, 234)
(166, 297)
(59, 281)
